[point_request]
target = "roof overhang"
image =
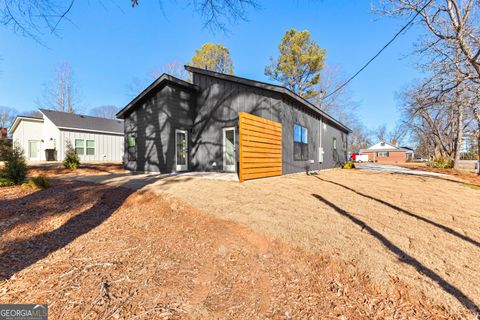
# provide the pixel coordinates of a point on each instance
(161, 81)
(90, 130)
(270, 87)
(18, 119)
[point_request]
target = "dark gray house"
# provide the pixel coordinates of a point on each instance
(174, 125)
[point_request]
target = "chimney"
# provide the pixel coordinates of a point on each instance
(394, 142)
(3, 133)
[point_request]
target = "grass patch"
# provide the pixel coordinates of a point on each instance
(4, 182)
(38, 183)
(472, 186)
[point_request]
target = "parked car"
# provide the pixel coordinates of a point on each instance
(357, 157)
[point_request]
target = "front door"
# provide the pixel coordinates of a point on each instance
(229, 149)
(33, 152)
(181, 150)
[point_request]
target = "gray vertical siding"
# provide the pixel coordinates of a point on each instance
(108, 147)
(220, 101)
(204, 114)
(153, 123)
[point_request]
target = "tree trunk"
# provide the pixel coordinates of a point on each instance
(478, 141)
(458, 136)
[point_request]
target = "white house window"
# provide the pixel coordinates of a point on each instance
(334, 143)
(80, 147)
(382, 154)
(90, 147)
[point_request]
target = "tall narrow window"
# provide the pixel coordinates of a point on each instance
(132, 147)
(300, 143)
(80, 147)
(334, 143)
(90, 147)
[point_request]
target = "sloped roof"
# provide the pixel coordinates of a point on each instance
(17, 120)
(65, 120)
(160, 81)
(383, 146)
(270, 87)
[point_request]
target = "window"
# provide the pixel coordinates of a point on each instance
(334, 143)
(382, 154)
(132, 147)
(80, 147)
(345, 145)
(300, 143)
(90, 147)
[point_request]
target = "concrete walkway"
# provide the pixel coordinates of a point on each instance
(395, 169)
(137, 181)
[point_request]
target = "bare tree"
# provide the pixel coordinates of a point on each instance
(61, 93)
(174, 68)
(450, 25)
(449, 52)
(7, 115)
(33, 18)
(107, 111)
(340, 104)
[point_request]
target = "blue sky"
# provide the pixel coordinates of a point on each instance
(110, 45)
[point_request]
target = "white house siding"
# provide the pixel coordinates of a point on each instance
(30, 130)
(108, 147)
(51, 134)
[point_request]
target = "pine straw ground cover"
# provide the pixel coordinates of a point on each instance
(98, 252)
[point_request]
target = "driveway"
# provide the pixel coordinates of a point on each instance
(395, 169)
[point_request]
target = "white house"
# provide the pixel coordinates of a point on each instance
(46, 138)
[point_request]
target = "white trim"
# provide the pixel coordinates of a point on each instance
(181, 167)
(89, 130)
(229, 168)
(17, 120)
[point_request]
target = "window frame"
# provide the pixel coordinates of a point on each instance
(86, 147)
(383, 154)
(83, 147)
(301, 145)
(334, 143)
(131, 149)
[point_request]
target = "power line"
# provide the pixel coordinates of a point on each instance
(379, 52)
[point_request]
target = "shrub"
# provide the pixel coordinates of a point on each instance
(441, 162)
(15, 165)
(349, 165)
(4, 182)
(40, 182)
(72, 161)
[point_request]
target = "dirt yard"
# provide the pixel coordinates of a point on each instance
(55, 169)
(423, 231)
(96, 252)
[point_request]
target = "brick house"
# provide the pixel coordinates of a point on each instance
(383, 152)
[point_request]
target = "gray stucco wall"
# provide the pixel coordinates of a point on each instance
(153, 122)
(219, 103)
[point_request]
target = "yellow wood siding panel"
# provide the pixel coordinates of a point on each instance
(260, 144)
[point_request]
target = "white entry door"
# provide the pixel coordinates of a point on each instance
(181, 150)
(33, 150)
(229, 150)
